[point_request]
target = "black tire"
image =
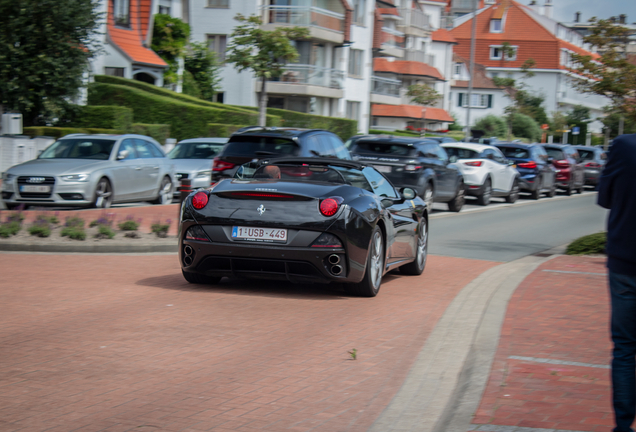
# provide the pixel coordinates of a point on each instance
(430, 199)
(536, 194)
(196, 278)
(569, 190)
(103, 194)
(485, 194)
(164, 196)
(416, 267)
(370, 284)
(580, 190)
(513, 196)
(552, 192)
(456, 204)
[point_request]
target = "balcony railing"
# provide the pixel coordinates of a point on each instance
(385, 86)
(415, 18)
(462, 4)
(312, 75)
(419, 56)
(392, 37)
(306, 16)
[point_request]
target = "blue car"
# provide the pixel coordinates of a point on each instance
(536, 173)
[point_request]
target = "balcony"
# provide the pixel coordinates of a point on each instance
(393, 42)
(308, 80)
(419, 56)
(323, 24)
(415, 22)
(385, 90)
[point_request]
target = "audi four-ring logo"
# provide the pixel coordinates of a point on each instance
(36, 180)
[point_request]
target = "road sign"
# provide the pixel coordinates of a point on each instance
(575, 130)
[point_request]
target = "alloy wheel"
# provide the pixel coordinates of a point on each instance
(165, 192)
(103, 194)
(422, 243)
(377, 253)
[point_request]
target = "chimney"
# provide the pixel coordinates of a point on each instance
(622, 18)
(547, 8)
(577, 17)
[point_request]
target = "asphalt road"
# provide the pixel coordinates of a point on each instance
(507, 232)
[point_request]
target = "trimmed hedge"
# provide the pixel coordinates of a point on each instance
(106, 79)
(104, 117)
(222, 130)
(395, 133)
(157, 131)
(587, 245)
(58, 132)
(186, 120)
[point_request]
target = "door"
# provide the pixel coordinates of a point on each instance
(400, 240)
(447, 188)
(545, 168)
(580, 169)
(507, 172)
(147, 173)
(432, 160)
(125, 187)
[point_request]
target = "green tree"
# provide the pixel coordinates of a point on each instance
(613, 76)
(575, 118)
(264, 52)
(492, 125)
(45, 47)
(202, 65)
(423, 94)
(169, 39)
(525, 126)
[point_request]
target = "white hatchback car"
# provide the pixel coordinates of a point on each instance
(486, 171)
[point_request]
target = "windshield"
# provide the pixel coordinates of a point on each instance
(260, 146)
(586, 154)
(79, 148)
(195, 151)
(555, 154)
(515, 152)
(461, 153)
(386, 148)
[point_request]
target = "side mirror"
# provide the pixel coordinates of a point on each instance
(452, 159)
(123, 154)
(387, 202)
(510, 162)
(408, 193)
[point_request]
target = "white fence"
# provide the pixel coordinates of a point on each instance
(17, 149)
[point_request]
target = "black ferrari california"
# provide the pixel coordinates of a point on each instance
(304, 220)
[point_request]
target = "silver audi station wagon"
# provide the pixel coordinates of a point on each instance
(92, 171)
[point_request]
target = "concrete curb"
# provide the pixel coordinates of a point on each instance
(445, 384)
(114, 247)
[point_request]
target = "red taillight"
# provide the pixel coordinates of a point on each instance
(531, 164)
(592, 165)
(562, 164)
(473, 164)
(329, 206)
(221, 165)
(199, 200)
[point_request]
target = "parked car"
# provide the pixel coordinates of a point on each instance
(594, 160)
(536, 174)
(256, 142)
(193, 158)
(421, 164)
(92, 171)
(486, 171)
(304, 220)
(570, 175)
(441, 140)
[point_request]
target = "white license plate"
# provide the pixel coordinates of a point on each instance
(40, 189)
(382, 168)
(259, 234)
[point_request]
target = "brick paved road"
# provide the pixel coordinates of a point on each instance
(118, 343)
(557, 332)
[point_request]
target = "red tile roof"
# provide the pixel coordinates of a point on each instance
(519, 29)
(443, 35)
(480, 78)
(130, 40)
(411, 111)
(145, 13)
(405, 67)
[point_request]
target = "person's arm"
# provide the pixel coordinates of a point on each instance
(611, 171)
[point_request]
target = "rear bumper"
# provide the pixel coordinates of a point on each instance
(592, 176)
(528, 183)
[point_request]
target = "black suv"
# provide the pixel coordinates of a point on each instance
(418, 163)
(254, 142)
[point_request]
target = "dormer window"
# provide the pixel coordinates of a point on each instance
(121, 10)
(496, 26)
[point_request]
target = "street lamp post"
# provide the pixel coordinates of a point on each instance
(471, 69)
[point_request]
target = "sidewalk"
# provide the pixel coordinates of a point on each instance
(551, 369)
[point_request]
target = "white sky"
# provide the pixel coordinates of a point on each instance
(564, 10)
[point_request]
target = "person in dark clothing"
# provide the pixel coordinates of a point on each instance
(617, 192)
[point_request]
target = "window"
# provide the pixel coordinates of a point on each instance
(495, 26)
(325, 146)
(356, 57)
(114, 71)
(359, 8)
(458, 69)
(128, 146)
(164, 10)
(477, 100)
(379, 183)
(219, 97)
(496, 53)
(143, 150)
(218, 44)
(121, 10)
(338, 145)
(353, 110)
(219, 4)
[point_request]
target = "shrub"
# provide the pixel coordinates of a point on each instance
(342, 127)
(396, 133)
(105, 231)
(492, 126)
(589, 244)
(104, 117)
(41, 227)
(160, 132)
(75, 232)
(9, 229)
(221, 130)
(129, 224)
(105, 219)
(59, 132)
(161, 229)
(525, 126)
(74, 222)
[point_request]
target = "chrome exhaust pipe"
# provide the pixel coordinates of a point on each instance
(333, 259)
(336, 270)
(187, 260)
(188, 250)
